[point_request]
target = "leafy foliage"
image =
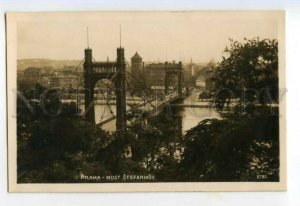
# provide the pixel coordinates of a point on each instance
(249, 71)
(234, 149)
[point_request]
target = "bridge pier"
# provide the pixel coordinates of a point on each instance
(173, 69)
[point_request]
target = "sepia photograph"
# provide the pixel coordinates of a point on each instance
(146, 101)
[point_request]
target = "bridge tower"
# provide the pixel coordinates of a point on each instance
(121, 91)
(95, 71)
(173, 69)
(89, 86)
(180, 78)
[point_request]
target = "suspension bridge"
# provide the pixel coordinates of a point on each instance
(150, 102)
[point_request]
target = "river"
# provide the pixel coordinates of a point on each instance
(193, 111)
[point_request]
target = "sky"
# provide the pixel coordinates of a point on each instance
(156, 36)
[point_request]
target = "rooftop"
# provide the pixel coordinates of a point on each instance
(136, 56)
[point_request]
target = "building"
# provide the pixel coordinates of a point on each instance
(64, 81)
(191, 68)
(28, 78)
(209, 83)
(137, 68)
(32, 74)
(156, 75)
(20, 75)
(45, 81)
(207, 74)
(201, 83)
(68, 70)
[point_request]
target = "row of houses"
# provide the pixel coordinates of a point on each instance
(48, 77)
(151, 75)
(205, 75)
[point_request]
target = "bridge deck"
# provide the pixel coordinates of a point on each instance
(152, 106)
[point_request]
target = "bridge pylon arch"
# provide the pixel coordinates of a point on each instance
(95, 71)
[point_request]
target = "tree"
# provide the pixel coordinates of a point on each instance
(232, 149)
(56, 149)
(249, 71)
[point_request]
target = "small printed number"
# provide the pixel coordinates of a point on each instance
(261, 177)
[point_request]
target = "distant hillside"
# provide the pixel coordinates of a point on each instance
(59, 64)
(55, 64)
(184, 63)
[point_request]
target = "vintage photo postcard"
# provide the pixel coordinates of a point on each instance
(146, 101)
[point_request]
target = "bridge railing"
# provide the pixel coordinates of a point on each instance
(152, 106)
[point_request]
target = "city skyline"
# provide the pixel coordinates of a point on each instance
(156, 36)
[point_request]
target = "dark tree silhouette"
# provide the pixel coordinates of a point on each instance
(249, 70)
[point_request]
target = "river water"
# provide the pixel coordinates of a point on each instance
(193, 111)
(192, 116)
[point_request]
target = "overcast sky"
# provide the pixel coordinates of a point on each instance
(165, 36)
